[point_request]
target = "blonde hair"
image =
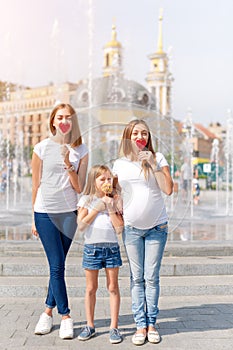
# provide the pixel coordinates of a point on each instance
(94, 172)
(75, 135)
(126, 145)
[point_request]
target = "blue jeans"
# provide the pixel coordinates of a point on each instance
(101, 255)
(145, 249)
(56, 232)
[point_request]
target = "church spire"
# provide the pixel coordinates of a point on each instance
(160, 36)
(112, 55)
(159, 79)
(114, 33)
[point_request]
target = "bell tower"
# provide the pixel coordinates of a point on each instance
(112, 56)
(159, 79)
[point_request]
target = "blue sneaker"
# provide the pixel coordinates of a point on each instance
(115, 336)
(86, 333)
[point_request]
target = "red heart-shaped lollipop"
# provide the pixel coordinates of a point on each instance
(64, 127)
(141, 143)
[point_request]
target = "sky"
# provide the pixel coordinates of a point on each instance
(45, 41)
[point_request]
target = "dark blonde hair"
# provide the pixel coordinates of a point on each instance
(94, 172)
(126, 145)
(75, 135)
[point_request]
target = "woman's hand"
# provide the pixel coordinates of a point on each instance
(65, 154)
(34, 231)
(149, 157)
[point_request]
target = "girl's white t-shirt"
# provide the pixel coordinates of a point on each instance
(101, 229)
(55, 193)
(143, 202)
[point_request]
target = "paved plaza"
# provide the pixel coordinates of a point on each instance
(196, 303)
(195, 323)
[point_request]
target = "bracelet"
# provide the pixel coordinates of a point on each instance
(70, 169)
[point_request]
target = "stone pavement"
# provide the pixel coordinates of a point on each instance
(201, 322)
(196, 303)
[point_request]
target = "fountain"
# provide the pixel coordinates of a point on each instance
(15, 194)
(214, 158)
(104, 106)
(229, 164)
(188, 154)
(90, 70)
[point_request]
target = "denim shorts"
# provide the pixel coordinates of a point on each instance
(101, 255)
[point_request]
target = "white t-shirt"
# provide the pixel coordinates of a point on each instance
(101, 229)
(56, 194)
(143, 203)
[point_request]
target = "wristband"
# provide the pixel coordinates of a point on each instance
(70, 169)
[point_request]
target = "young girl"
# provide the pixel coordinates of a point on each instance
(99, 218)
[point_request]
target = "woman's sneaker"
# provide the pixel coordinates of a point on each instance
(86, 333)
(44, 324)
(66, 329)
(115, 336)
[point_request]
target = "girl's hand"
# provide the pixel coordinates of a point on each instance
(114, 205)
(100, 205)
(107, 200)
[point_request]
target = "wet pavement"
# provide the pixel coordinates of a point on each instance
(208, 221)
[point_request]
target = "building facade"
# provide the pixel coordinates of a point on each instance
(104, 106)
(24, 114)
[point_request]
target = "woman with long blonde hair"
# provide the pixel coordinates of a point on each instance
(143, 175)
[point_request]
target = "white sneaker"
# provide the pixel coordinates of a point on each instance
(66, 329)
(153, 336)
(44, 324)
